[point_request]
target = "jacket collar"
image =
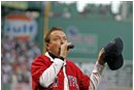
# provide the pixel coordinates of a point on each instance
(51, 59)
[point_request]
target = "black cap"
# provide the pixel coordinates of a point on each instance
(113, 54)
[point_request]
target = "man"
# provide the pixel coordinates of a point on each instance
(52, 71)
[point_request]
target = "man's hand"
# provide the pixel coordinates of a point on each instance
(101, 57)
(63, 50)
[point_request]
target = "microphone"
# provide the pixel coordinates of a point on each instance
(70, 46)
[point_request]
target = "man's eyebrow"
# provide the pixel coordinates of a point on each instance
(56, 36)
(62, 36)
(65, 37)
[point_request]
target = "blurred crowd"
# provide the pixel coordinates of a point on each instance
(16, 58)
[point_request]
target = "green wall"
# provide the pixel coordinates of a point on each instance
(106, 30)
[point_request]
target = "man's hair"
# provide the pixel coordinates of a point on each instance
(47, 37)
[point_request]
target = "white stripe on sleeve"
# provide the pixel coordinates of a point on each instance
(96, 76)
(48, 76)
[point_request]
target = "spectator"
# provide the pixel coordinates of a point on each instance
(16, 57)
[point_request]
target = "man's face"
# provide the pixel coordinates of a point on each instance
(57, 38)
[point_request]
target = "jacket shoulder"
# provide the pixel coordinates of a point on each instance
(69, 62)
(41, 58)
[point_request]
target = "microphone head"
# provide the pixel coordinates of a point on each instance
(70, 46)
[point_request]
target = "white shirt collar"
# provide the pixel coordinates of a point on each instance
(51, 59)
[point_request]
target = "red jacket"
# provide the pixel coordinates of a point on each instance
(77, 80)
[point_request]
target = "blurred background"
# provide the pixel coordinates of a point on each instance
(90, 25)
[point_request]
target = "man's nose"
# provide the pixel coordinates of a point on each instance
(62, 41)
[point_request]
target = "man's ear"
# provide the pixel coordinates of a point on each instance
(47, 46)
